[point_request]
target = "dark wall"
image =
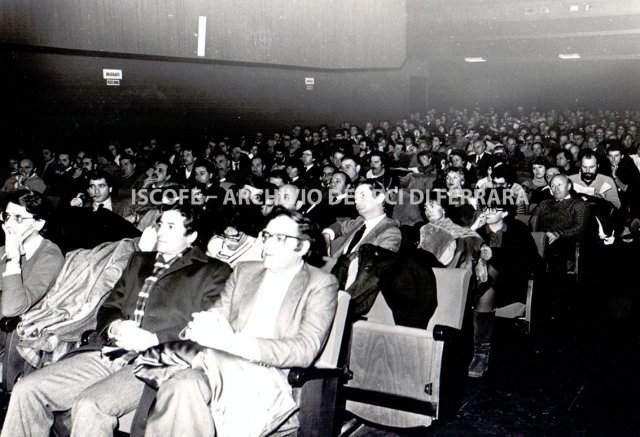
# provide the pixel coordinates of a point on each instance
(319, 33)
(63, 97)
(559, 84)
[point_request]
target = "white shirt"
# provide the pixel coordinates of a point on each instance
(107, 204)
(369, 225)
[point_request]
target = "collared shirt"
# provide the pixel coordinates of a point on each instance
(369, 225)
(107, 204)
(495, 238)
(372, 223)
(370, 174)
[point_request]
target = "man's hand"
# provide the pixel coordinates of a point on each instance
(12, 243)
(132, 338)
(148, 239)
(480, 222)
(327, 240)
(77, 201)
(149, 181)
(552, 236)
(211, 329)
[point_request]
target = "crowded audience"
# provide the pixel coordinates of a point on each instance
(274, 210)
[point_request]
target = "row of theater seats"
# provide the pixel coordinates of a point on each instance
(378, 371)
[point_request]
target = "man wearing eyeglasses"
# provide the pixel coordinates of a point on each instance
(151, 302)
(273, 315)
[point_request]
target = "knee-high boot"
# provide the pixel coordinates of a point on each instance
(482, 330)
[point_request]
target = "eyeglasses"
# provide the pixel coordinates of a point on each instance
(280, 238)
(234, 237)
(492, 209)
(18, 218)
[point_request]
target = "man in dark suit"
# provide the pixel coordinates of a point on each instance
(311, 172)
(335, 204)
(185, 174)
(240, 162)
(151, 302)
(627, 178)
(480, 159)
(99, 190)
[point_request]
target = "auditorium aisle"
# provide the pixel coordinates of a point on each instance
(576, 378)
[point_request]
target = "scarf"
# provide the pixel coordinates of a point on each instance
(436, 236)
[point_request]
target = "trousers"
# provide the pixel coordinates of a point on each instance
(95, 390)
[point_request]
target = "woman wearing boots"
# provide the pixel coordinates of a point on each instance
(514, 257)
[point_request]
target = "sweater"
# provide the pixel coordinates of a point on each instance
(568, 217)
(22, 291)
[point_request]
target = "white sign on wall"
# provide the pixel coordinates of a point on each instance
(309, 82)
(111, 74)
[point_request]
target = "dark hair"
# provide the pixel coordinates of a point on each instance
(171, 170)
(187, 211)
(499, 197)
(294, 163)
(34, 202)
(367, 141)
(245, 218)
(383, 157)
(129, 157)
(346, 177)
(616, 147)
(460, 153)
(94, 175)
(279, 174)
(203, 163)
(440, 137)
(425, 153)
(568, 156)
(505, 171)
(540, 161)
(307, 231)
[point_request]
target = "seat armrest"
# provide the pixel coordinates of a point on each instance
(9, 324)
(298, 376)
(88, 337)
(445, 333)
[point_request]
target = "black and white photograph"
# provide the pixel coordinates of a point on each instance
(323, 218)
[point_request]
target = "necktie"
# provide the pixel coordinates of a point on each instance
(356, 238)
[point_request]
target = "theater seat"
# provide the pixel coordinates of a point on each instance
(523, 310)
(407, 377)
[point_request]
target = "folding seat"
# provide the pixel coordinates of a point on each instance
(407, 377)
